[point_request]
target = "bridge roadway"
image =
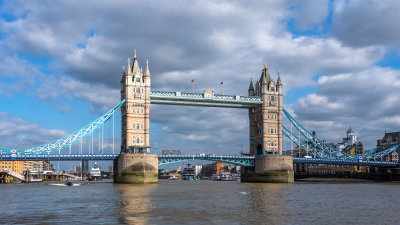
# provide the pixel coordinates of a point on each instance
(241, 160)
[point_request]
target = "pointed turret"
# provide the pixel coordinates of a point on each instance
(135, 65)
(147, 71)
(128, 68)
(265, 77)
(251, 87)
(279, 82)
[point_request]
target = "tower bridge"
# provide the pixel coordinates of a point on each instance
(265, 162)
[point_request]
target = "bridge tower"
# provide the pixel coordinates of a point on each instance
(136, 164)
(266, 133)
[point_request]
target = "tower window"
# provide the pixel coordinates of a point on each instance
(138, 79)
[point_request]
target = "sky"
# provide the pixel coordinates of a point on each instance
(61, 64)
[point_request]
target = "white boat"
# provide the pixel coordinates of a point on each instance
(215, 177)
(95, 172)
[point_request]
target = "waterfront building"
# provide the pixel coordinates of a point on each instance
(389, 140)
(21, 166)
(16, 166)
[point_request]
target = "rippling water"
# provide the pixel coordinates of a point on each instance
(200, 202)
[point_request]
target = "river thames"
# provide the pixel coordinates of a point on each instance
(201, 202)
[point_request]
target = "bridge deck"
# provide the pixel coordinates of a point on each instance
(166, 159)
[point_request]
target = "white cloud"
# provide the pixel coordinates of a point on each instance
(207, 41)
(309, 13)
(17, 133)
(366, 100)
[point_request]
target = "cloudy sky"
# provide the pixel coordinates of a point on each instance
(60, 65)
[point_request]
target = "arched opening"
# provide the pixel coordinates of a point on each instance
(259, 149)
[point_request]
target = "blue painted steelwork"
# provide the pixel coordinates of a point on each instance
(45, 157)
(303, 145)
(167, 159)
(207, 98)
(70, 139)
(321, 149)
(345, 162)
(369, 152)
(333, 152)
(231, 159)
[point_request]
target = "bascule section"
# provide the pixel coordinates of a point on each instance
(136, 164)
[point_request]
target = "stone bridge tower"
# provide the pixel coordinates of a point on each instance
(136, 164)
(135, 113)
(266, 134)
(266, 119)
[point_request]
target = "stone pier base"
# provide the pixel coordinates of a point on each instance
(270, 169)
(136, 168)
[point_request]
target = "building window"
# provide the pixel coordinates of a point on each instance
(137, 79)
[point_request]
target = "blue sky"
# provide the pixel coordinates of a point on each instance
(60, 65)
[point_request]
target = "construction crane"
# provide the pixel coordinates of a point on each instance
(176, 175)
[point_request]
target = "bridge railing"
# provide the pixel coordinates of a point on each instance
(205, 97)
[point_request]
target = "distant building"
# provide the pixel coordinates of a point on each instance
(389, 140)
(197, 169)
(171, 152)
(78, 169)
(348, 141)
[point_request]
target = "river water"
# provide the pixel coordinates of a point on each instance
(201, 202)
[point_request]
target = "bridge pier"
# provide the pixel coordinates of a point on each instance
(136, 168)
(270, 169)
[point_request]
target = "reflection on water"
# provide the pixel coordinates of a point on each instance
(200, 202)
(136, 203)
(267, 203)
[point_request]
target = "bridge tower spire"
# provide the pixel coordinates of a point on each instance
(266, 134)
(136, 164)
(266, 120)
